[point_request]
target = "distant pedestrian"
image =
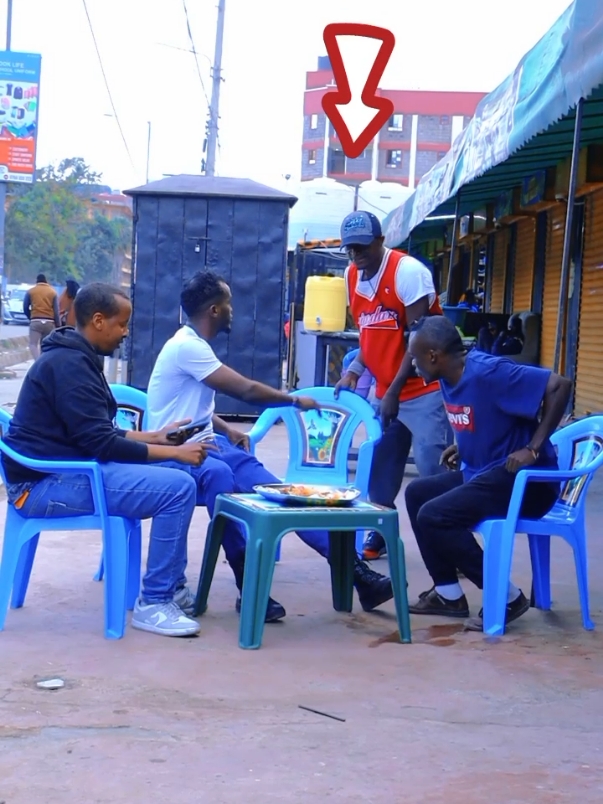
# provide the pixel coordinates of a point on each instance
(66, 306)
(41, 306)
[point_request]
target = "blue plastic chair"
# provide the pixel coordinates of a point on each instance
(320, 455)
(580, 454)
(131, 415)
(121, 543)
(346, 363)
(131, 407)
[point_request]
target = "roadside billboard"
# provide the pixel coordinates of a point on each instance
(19, 100)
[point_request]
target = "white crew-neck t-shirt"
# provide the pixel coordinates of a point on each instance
(413, 280)
(176, 389)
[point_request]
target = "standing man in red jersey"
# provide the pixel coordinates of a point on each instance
(388, 291)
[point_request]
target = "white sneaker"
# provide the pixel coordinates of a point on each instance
(185, 600)
(167, 619)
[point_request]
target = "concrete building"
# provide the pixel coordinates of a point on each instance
(418, 134)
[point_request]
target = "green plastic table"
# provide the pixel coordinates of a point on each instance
(267, 522)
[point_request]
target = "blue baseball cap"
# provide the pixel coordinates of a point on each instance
(360, 229)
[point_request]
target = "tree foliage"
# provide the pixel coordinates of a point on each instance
(51, 227)
(71, 171)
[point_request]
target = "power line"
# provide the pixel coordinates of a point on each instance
(194, 51)
(100, 61)
(366, 201)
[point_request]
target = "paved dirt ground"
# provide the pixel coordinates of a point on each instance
(451, 719)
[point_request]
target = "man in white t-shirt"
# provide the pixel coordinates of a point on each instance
(388, 291)
(183, 385)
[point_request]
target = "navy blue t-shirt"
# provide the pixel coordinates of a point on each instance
(493, 410)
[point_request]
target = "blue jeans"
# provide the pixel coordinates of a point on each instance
(135, 491)
(234, 470)
(389, 463)
(422, 421)
(428, 423)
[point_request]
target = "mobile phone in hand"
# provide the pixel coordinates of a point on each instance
(186, 432)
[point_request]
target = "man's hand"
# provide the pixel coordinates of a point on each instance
(193, 453)
(238, 439)
(390, 405)
(450, 458)
(306, 403)
(520, 460)
(161, 436)
(348, 382)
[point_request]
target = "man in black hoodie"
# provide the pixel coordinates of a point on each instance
(66, 411)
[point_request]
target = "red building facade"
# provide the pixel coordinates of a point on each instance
(418, 134)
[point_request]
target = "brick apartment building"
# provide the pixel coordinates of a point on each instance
(418, 134)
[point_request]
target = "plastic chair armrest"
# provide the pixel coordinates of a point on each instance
(47, 466)
(539, 476)
(89, 468)
(261, 427)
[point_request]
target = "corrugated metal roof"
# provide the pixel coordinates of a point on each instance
(545, 150)
(524, 125)
(212, 186)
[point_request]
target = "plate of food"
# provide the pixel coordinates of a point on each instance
(308, 494)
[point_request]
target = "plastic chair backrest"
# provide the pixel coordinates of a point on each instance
(579, 446)
(319, 445)
(5, 420)
(131, 407)
(348, 358)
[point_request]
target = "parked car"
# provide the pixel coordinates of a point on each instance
(12, 308)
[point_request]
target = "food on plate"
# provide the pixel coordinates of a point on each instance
(316, 492)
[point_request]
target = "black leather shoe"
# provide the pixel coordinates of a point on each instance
(432, 603)
(373, 589)
(274, 612)
(514, 610)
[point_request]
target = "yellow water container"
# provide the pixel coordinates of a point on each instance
(325, 304)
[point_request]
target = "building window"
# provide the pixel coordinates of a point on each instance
(444, 120)
(311, 157)
(314, 122)
(336, 162)
(396, 122)
(394, 159)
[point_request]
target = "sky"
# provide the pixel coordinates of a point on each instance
(465, 45)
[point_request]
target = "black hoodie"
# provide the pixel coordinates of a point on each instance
(65, 410)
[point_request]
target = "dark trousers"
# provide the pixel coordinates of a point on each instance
(444, 511)
(389, 462)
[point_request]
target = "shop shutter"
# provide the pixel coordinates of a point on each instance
(589, 369)
(552, 278)
(525, 246)
(499, 270)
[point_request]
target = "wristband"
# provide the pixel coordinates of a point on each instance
(535, 453)
(356, 368)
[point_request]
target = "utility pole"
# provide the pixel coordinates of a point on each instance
(214, 107)
(148, 150)
(9, 20)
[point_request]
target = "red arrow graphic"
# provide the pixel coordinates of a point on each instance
(343, 95)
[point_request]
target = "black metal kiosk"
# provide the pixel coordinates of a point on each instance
(235, 227)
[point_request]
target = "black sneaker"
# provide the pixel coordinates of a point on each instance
(515, 609)
(274, 612)
(373, 589)
(434, 604)
(374, 546)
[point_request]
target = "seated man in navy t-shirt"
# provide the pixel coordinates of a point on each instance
(493, 406)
